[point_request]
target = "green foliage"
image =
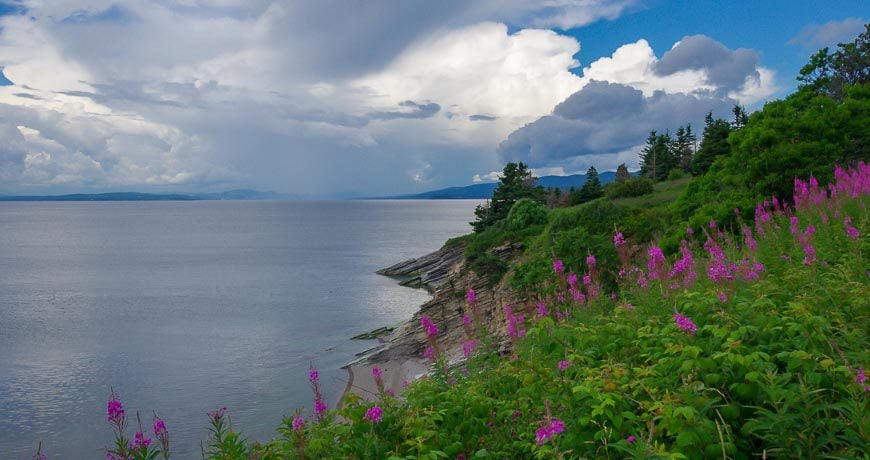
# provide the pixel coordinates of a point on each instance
(516, 183)
(805, 134)
(525, 213)
(658, 157)
(633, 187)
(590, 190)
(713, 145)
(830, 73)
(622, 173)
(223, 442)
(676, 174)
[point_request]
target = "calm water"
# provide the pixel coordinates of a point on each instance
(184, 307)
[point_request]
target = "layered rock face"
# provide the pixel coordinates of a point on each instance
(445, 274)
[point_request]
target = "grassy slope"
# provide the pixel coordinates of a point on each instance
(772, 370)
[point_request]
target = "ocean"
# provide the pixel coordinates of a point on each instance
(186, 307)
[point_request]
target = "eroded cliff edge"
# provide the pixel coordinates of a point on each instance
(447, 276)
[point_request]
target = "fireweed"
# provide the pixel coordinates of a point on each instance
(319, 405)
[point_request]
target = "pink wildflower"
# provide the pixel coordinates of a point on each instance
(139, 441)
(298, 423)
(471, 296)
(114, 408)
(319, 408)
(558, 266)
(862, 377)
(468, 347)
(550, 429)
(656, 261)
(590, 260)
(429, 353)
(374, 414)
(159, 427)
(631, 439)
(685, 324)
(809, 254)
(572, 279)
(542, 310)
(564, 365)
(618, 239)
(722, 296)
(377, 373)
(431, 328)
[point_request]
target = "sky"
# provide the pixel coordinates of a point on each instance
(342, 98)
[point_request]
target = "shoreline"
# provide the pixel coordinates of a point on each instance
(401, 362)
(445, 275)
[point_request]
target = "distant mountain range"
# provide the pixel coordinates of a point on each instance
(136, 196)
(484, 191)
(475, 191)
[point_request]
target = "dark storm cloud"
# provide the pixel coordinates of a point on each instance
(417, 111)
(726, 69)
(605, 118)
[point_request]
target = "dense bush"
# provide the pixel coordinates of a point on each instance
(632, 187)
(526, 213)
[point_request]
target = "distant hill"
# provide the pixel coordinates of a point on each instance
(136, 196)
(484, 191)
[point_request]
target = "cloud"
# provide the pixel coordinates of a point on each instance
(492, 176)
(289, 96)
(426, 110)
(816, 36)
(603, 119)
(632, 92)
(694, 64)
(724, 69)
(326, 97)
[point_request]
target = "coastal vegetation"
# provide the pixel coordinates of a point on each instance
(723, 315)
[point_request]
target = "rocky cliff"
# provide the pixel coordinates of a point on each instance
(445, 274)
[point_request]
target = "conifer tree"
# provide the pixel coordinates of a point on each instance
(516, 182)
(622, 173)
(713, 144)
(591, 187)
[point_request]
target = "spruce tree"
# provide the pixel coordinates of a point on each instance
(622, 173)
(713, 144)
(516, 182)
(591, 187)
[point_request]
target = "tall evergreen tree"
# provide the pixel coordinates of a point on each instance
(591, 188)
(516, 182)
(713, 144)
(657, 157)
(684, 147)
(622, 173)
(740, 117)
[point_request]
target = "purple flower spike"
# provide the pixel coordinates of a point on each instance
(298, 424)
(374, 414)
(685, 324)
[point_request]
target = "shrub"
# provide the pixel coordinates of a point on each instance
(525, 213)
(633, 187)
(676, 173)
